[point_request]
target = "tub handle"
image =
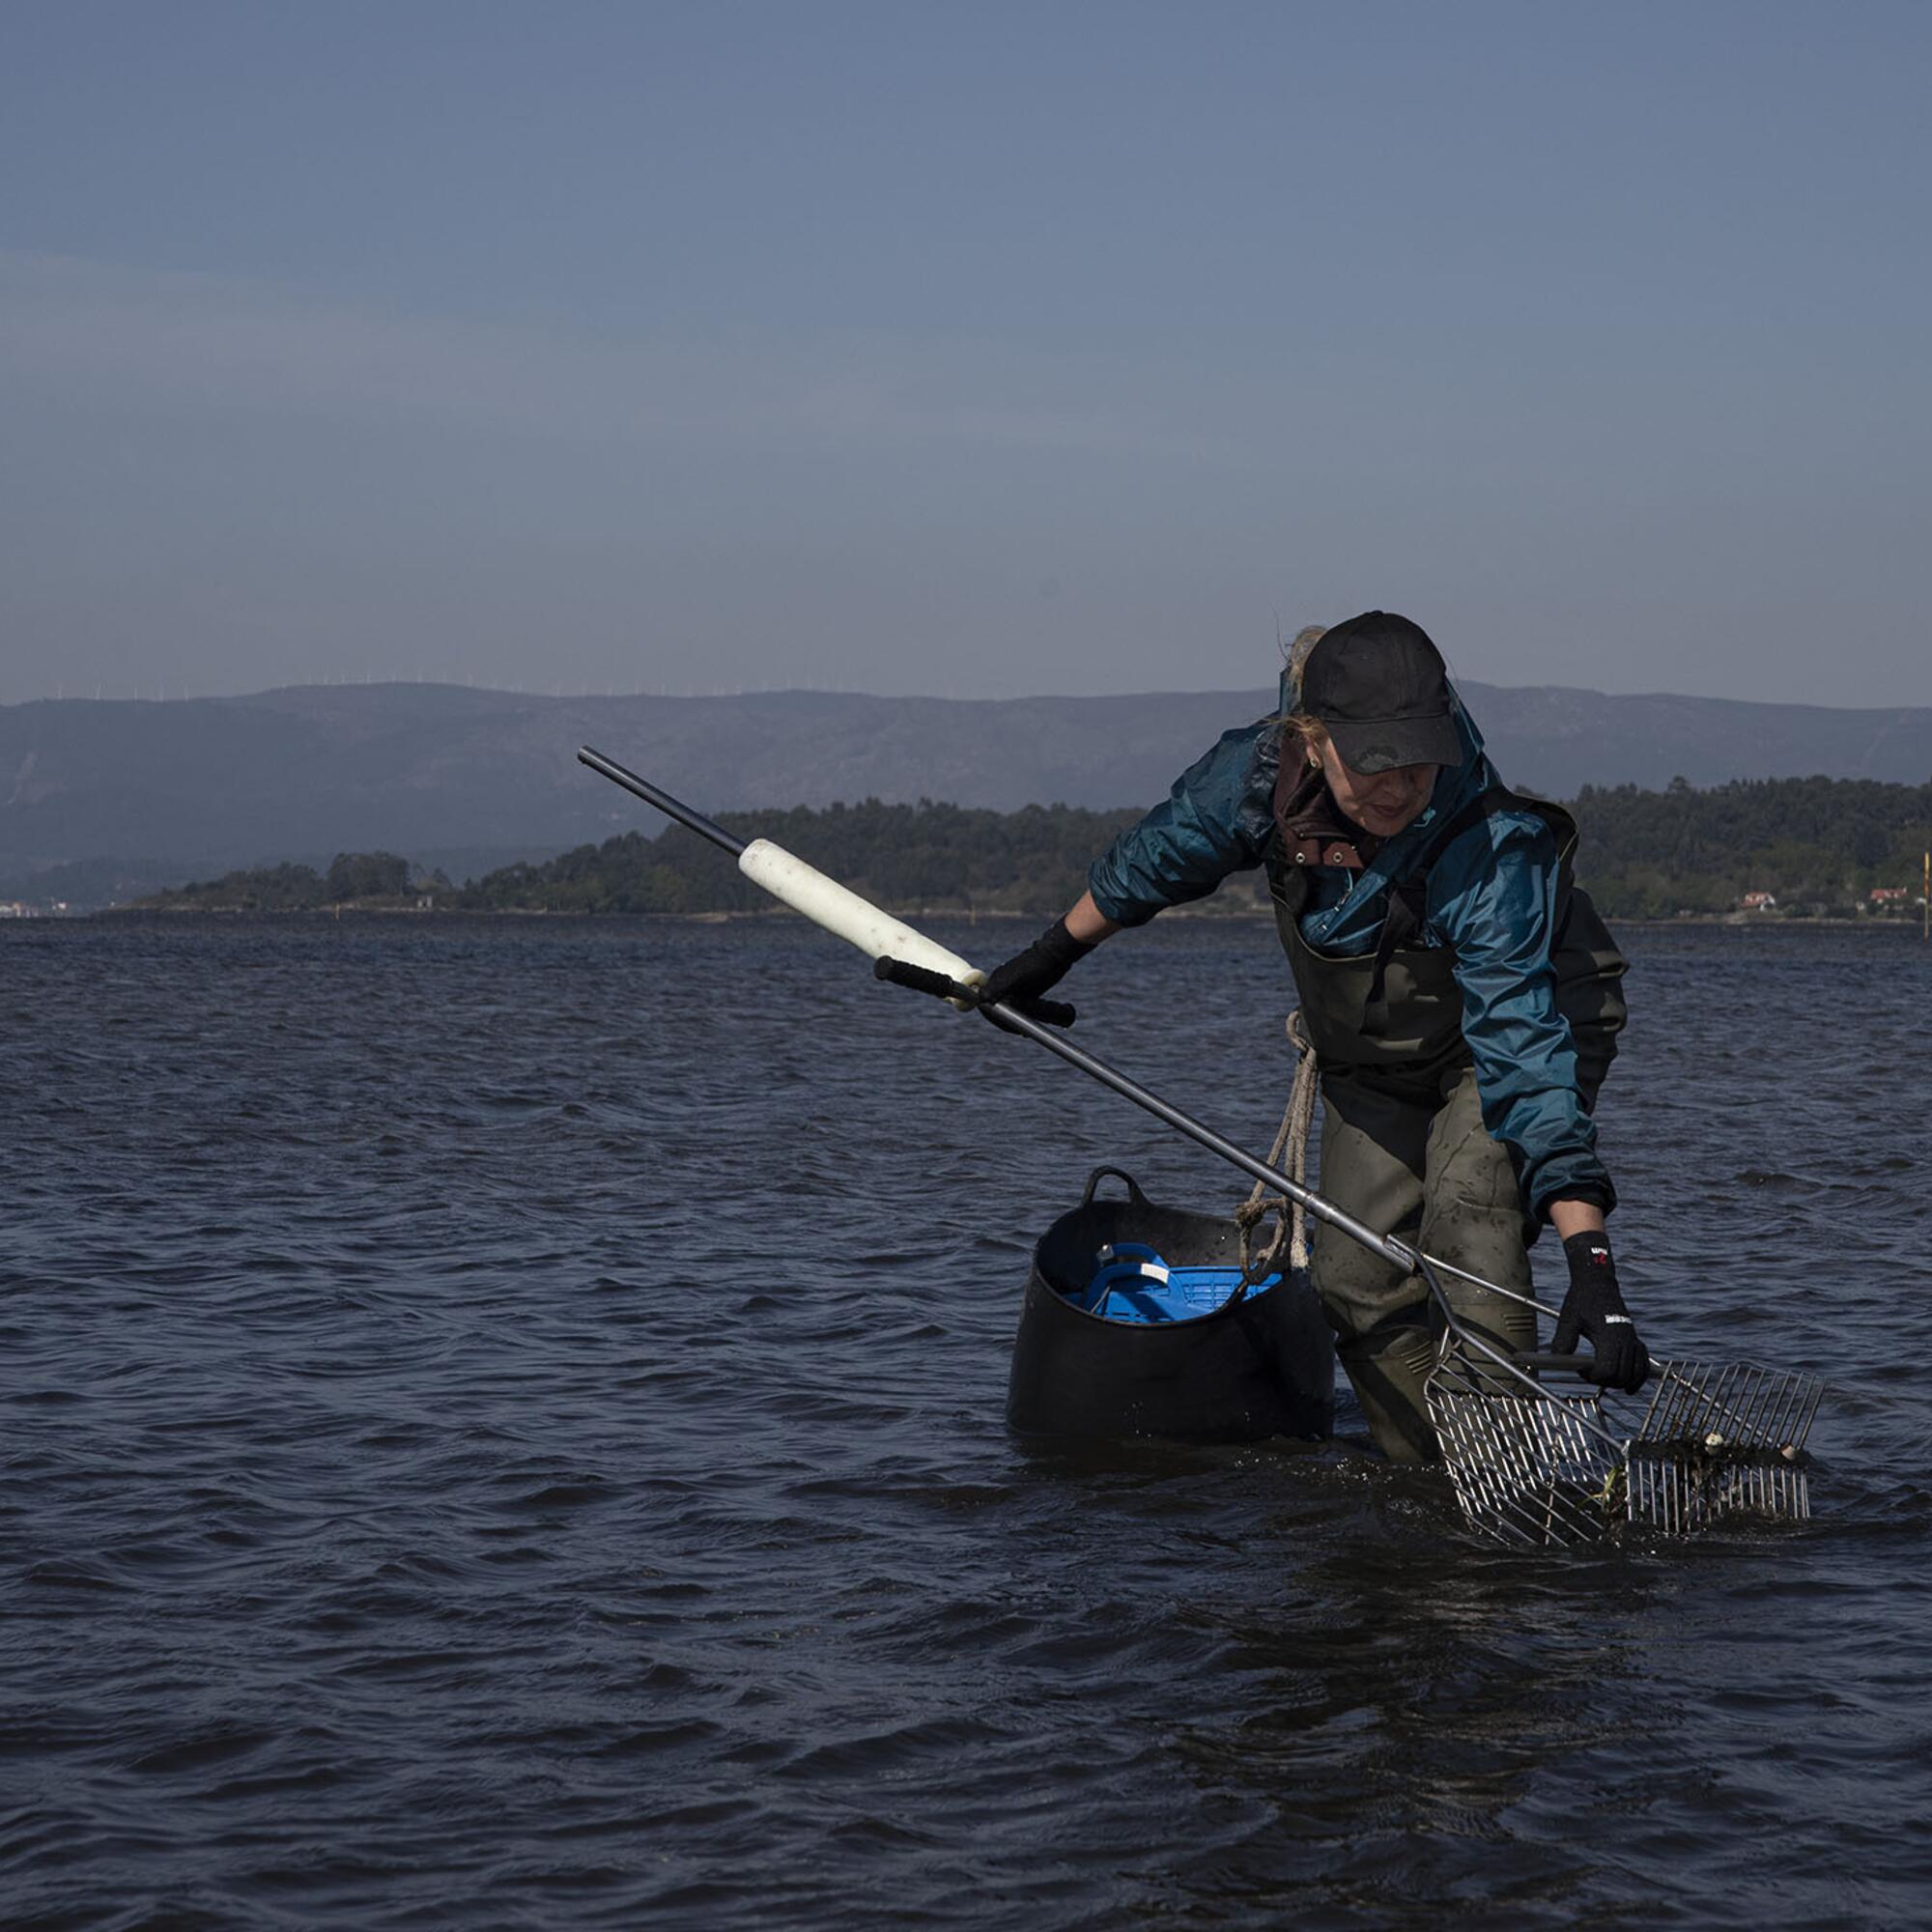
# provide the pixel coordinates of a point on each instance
(1101, 1174)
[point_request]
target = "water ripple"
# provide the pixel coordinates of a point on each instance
(504, 1429)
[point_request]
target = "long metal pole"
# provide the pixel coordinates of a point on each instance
(1057, 1044)
(670, 806)
(1199, 1131)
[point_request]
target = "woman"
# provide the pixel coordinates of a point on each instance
(1460, 993)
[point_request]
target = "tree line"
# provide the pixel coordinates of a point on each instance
(1818, 845)
(352, 878)
(924, 855)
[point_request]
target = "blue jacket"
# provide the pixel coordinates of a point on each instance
(1491, 893)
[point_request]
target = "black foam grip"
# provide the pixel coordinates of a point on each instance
(923, 980)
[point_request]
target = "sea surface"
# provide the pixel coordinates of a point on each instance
(503, 1426)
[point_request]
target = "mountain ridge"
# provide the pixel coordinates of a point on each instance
(481, 777)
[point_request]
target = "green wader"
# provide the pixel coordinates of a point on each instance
(1404, 1147)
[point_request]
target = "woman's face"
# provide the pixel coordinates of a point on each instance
(1382, 802)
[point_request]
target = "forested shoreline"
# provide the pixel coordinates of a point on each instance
(1818, 847)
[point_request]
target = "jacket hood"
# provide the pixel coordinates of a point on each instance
(1474, 776)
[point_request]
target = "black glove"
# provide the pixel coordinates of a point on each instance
(1027, 975)
(1595, 1307)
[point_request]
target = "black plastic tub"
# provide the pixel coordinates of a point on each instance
(1251, 1365)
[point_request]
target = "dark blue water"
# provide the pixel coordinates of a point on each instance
(503, 1426)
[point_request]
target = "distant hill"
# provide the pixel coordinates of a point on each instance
(145, 794)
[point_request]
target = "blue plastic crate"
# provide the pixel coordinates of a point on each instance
(1131, 1283)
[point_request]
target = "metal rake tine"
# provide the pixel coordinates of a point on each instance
(1769, 1413)
(1791, 1407)
(1659, 1482)
(1802, 1393)
(1755, 1407)
(1793, 1491)
(1682, 1393)
(1807, 1394)
(1659, 1397)
(1643, 1501)
(1781, 1393)
(1811, 1409)
(1783, 1413)
(1549, 1511)
(1715, 1405)
(1779, 1398)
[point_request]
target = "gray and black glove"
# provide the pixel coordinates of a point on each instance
(1027, 975)
(1595, 1308)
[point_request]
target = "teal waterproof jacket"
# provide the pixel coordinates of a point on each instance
(1490, 892)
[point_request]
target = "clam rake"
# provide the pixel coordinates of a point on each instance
(1532, 1466)
(1529, 1466)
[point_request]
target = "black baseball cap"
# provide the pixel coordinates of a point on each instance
(1383, 690)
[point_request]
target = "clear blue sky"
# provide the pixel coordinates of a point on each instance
(975, 349)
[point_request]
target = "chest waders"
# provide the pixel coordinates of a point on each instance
(1404, 1147)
